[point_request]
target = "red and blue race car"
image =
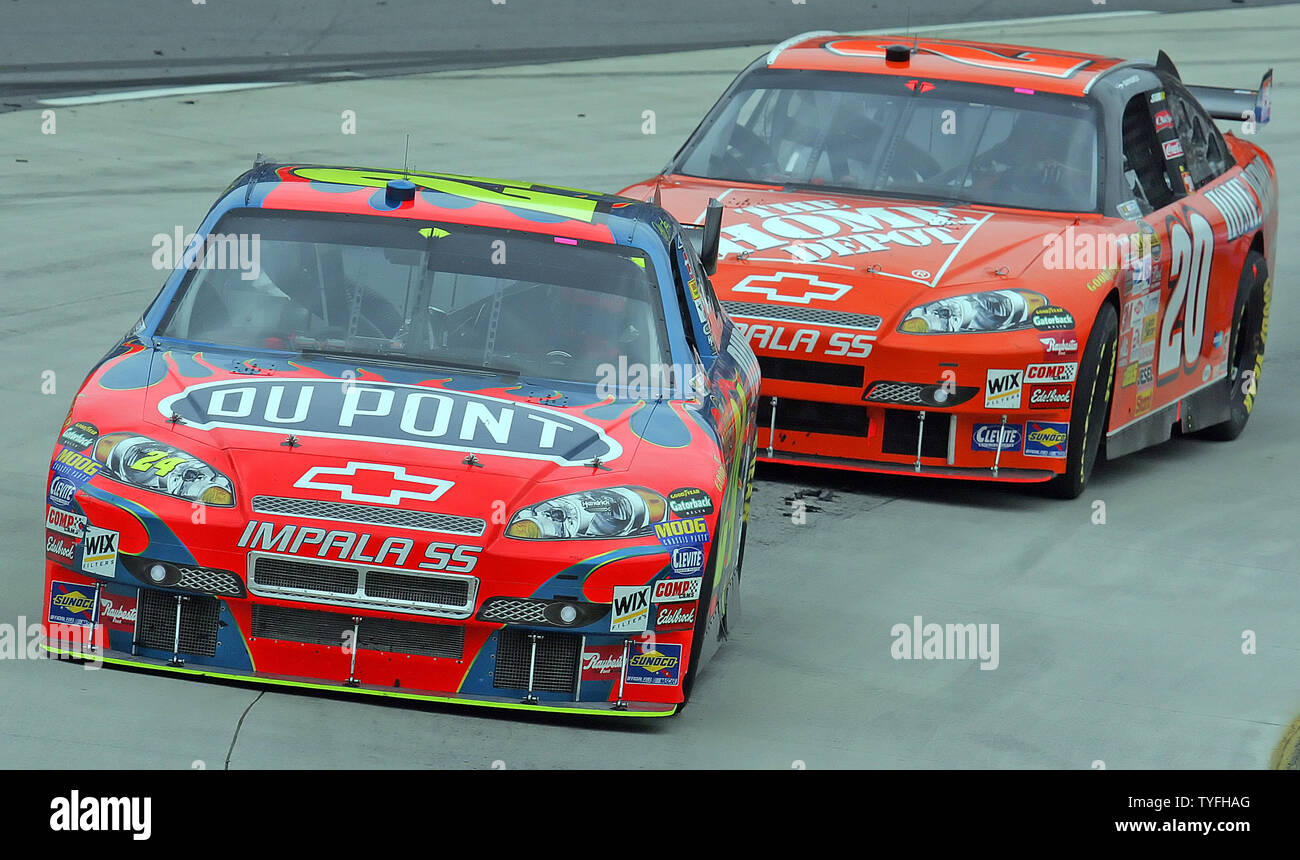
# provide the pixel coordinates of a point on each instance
(414, 435)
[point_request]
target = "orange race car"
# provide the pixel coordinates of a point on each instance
(979, 261)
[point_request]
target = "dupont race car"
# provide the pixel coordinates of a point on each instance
(980, 261)
(414, 435)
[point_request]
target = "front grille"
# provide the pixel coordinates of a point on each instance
(896, 392)
(318, 627)
(156, 623)
(273, 572)
(816, 316)
(820, 372)
(212, 581)
(369, 515)
(440, 594)
(809, 416)
(555, 669)
(509, 610)
(416, 589)
(903, 426)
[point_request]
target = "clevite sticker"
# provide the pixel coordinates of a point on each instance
(71, 603)
(631, 607)
(985, 437)
(676, 590)
(690, 502)
(392, 414)
(1046, 439)
(1002, 389)
(675, 533)
(99, 552)
(659, 665)
(61, 491)
(687, 560)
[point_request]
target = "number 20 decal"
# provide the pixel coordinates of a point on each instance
(1189, 273)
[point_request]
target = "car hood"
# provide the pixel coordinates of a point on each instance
(311, 429)
(858, 254)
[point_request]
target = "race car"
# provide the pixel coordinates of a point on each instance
(980, 261)
(417, 435)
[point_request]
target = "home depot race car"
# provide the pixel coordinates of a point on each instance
(414, 435)
(979, 261)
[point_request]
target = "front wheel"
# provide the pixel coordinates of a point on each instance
(1091, 410)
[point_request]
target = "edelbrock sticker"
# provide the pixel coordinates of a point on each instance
(392, 414)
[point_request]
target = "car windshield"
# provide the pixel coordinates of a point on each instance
(444, 294)
(901, 137)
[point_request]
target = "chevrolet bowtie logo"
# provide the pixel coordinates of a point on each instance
(804, 287)
(373, 482)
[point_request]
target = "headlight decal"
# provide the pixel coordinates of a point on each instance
(991, 310)
(162, 468)
(599, 513)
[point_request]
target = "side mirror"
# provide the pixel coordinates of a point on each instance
(712, 236)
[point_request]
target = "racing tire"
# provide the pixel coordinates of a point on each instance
(1090, 414)
(1249, 332)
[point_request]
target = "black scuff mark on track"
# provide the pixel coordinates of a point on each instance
(239, 725)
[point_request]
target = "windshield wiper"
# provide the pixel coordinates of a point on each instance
(917, 197)
(419, 361)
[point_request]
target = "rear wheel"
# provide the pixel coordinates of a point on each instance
(1246, 358)
(1091, 410)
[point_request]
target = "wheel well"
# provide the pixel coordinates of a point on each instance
(1257, 244)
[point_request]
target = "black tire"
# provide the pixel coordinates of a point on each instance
(1249, 331)
(1090, 413)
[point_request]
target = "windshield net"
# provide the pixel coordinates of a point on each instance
(894, 135)
(362, 286)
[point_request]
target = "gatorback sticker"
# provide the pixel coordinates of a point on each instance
(392, 414)
(658, 665)
(72, 603)
(690, 502)
(80, 436)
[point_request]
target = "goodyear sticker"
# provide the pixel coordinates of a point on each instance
(689, 501)
(71, 603)
(1046, 439)
(659, 665)
(685, 532)
(80, 436)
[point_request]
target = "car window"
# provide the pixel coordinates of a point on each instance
(365, 285)
(861, 132)
(1206, 151)
(1144, 164)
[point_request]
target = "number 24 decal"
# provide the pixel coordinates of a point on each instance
(1189, 272)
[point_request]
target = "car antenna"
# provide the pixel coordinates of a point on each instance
(406, 156)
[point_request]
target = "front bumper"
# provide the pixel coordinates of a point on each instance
(372, 653)
(920, 405)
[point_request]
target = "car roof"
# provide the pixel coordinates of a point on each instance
(503, 203)
(1040, 69)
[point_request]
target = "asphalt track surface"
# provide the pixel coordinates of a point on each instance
(1120, 644)
(52, 47)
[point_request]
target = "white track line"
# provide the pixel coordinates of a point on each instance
(131, 95)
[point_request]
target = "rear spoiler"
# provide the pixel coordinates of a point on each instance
(1227, 103)
(704, 237)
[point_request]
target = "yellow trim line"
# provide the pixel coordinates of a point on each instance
(369, 691)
